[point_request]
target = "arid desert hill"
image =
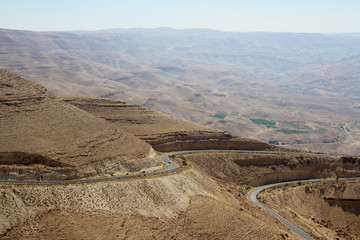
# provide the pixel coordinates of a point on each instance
(334, 205)
(163, 132)
(45, 137)
(43, 134)
(61, 137)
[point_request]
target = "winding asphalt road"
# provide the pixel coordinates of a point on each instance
(348, 139)
(170, 167)
(252, 196)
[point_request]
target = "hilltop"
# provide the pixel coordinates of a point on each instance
(42, 137)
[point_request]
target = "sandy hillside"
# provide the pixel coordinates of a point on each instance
(326, 210)
(186, 205)
(329, 210)
(162, 131)
(55, 134)
(249, 169)
(206, 199)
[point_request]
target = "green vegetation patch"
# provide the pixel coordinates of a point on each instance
(288, 127)
(219, 115)
(260, 121)
(290, 131)
(320, 130)
(245, 116)
(295, 125)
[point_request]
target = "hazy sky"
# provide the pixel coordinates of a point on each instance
(325, 16)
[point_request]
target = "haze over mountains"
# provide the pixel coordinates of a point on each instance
(301, 90)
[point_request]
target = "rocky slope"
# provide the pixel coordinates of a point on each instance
(330, 210)
(42, 137)
(164, 132)
(325, 210)
(187, 205)
(259, 169)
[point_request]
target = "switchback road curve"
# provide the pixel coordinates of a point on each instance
(165, 158)
(252, 196)
(171, 166)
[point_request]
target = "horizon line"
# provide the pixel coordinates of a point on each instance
(176, 29)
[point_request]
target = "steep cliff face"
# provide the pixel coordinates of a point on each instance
(36, 125)
(203, 141)
(163, 132)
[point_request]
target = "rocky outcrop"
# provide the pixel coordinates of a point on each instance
(163, 132)
(346, 204)
(255, 169)
(44, 138)
(25, 159)
(203, 140)
(34, 167)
